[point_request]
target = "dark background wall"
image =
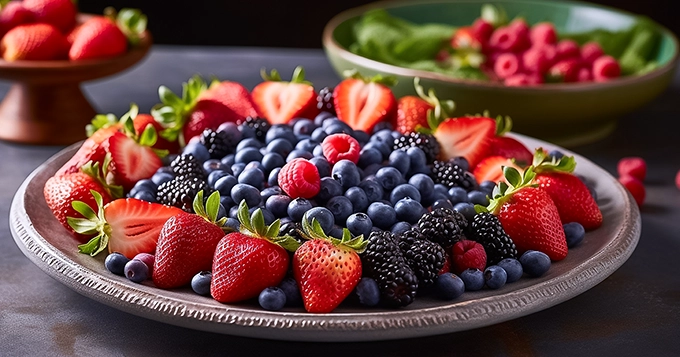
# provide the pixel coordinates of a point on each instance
(284, 23)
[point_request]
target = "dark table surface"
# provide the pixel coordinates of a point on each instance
(634, 312)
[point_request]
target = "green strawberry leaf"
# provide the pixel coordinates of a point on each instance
(243, 216)
(257, 220)
(287, 242)
(132, 22)
(212, 206)
(273, 229)
(513, 176)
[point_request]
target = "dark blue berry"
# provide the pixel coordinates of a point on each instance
(458, 195)
(442, 203)
(290, 288)
(575, 233)
(384, 136)
(322, 215)
(424, 185)
(322, 117)
(280, 131)
(282, 147)
(304, 127)
(367, 292)
(478, 198)
(322, 165)
(495, 277)
(369, 157)
(297, 153)
(272, 160)
(216, 175)
(145, 196)
(115, 263)
(246, 132)
(408, 210)
(229, 160)
(198, 150)
(273, 179)
(297, 208)
(359, 223)
(248, 143)
(358, 198)
(227, 202)
(328, 188)
(272, 299)
(389, 178)
(136, 270)
(252, 177)
(487, 187)
(556, 154)
(341, 207)
(383, 216)
(278, 205)
(417, 157)
(361, 136)
(383, 148)
(270, 191)
(318, 135)
(370, 171)
(268, 216)
(461, 162)
(535, 263)
(336, 232)
(225, 184)
(347, 173)
(449, 286)
(382, 126)
(214, 164)
(161, 177)
(466, 209)
(400, 227)
(403, 191)
(143, 185)
(373, 190)
(246, 192)
(473, 279)
(233, 223)
(247, 155)
(400, 160)
(513, 268)
(306, 145)
(200, 283)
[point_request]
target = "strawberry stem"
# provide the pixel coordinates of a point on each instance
(255, 226)
(91, 224)
(389, 81)
(173, 112)
(313, 230)
(441, 111)
(503, 191)
(274, 76)
(544, 163)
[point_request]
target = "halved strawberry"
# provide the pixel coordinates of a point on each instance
(132, 161)
(127, 225)
(363, 102)
(491, 168)
(506, 146)
(92, 150)
(469, 137)
(279, 102)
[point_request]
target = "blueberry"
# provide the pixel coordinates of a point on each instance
(304, 127)
(575, 233)
(371, 170)
(442, 203)
(278, 205)
(328, 188)
(233, 223)
(495, 277)
(296, 153)
(270, 191)
(341, 207)
(461, 162)
(338, 128)
(381, 147)
(136, 270)
(458, 195)
(359, 223)
(273, 179)
(358, 198)
(212, 165)
(449, 286)
(389, 178)
(408, 210)
(282, 147)
(216, 175)
(290, 288)
(347, 173)
(400, 160)
(441, 189)
(473, 279)
(198, 150)
(318, 151)
(417, 157)
(280, 131)
(200, 283)
(423, 183)
(322, 165)
(374, 192)
(322, 117)
(400, 227)
(369, 157)
(247, 155)
(402, 191)
(246, 132)
(229, 160)
(383, 216)
(382, 126)
(254, 165)
(361, 136)
(556, 154)
(367, 292)
(144, 185)
(322, 215)
(306, 145)
(466, 209)
(252, 177)
(425, 170)
(298, 207)
(161, 177)
(115, 263)
(513, 268)
(246, 192)
(535, 263)
(231, 131)
(384, 136)
(225, 184)
(272, 299)
(487, 187)
(233, 212)
(268, 216)
(272, 160)
(226, 201)
(318, 135)
(248, 143)
(145, 196)
(478, 198)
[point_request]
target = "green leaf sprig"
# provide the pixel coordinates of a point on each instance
(255, 226)
(173, 110)
(313, 230)
(503, 191)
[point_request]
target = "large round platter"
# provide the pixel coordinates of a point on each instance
(43, 240)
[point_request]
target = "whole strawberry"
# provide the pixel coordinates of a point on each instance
(34, 42)
(248, 261)
(13, 14)
(280, 101)
(106, 36)
(424, 111)
(574, 201)
(528, 214)
(58, 13)
(187, 243)
(326, 268)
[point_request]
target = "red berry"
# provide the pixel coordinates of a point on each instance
(564, 71)
(482, 31)
(584, 75)
(504, 39)
(523, 80)
(299, 178)
(468, 254)
(543, 33)
(567, 49)
(539, 58)
(522, 30)
(635, 187)
(506, 65)
(591, 51)
(632, 166)
(338, 147)
(605, 68)
(677, 180)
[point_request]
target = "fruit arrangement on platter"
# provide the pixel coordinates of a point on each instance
(296, 197)
(508, 51)
(41, 30)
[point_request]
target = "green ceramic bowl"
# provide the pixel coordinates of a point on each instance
(565, 113)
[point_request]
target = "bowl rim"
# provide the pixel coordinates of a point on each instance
(331, 45)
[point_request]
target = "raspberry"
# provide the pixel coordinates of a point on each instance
(635, 187)
(543, 33)
(468, 254)
(523, 80)
(506, 65)
(591, 51)
(504, 39)
(564, 71)
(605, 68)
(567, 49)
(539, 58)
(338, 147)
(677, 180)
(584, 75)
(299, 178)
(632, 166)
(482, 31)
(522, 30)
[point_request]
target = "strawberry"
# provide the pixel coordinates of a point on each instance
(326, 268)
(132, 160)
(636, 188)
(528, 214)
(127, 225)
(61, 190)
(280, 101)
(251, 260)
(571, 196)
(422, 111)
(364, 102)
(469, 137)
(506, 146)
(34, 42)
(59, 13)
(106, 36)
(491, 168)
(201, 108)
(187, 242)
(13, 14)
(466, 39)
(93, 149)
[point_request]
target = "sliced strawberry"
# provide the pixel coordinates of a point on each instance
(512, 149)
(362, 103)
(235, 97)
(280, 101)
(93, 149)
(141, 121)
(491, 168)
(469, 137)
(131, 161)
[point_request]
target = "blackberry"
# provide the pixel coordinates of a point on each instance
(180, 192)
(383, 261)
(450, 175)
(324, 100)
(218, 143)
(425, 258)
(185, 166)
(486, 229)
(443, 226)
(260, 125)
(425, 142)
